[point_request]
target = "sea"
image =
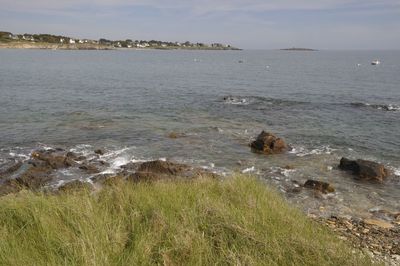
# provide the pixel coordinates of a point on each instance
(324, 104)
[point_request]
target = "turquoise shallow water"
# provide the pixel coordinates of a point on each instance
(127, 102)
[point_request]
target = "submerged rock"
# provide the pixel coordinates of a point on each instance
(175, 135)
(363, 169)
(319, 186)
(268, 143)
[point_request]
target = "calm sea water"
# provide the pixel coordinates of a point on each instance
(323, 103)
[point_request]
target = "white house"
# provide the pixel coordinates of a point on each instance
(71, 41)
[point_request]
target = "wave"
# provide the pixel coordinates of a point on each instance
(266, 102)
(301, 151)
(382, 107)
(258, 100)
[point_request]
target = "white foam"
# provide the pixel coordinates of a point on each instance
(317, 151)
(397, 171)
(24, 157)
(248, 170)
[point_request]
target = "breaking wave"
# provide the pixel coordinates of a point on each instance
(382, 107)
(258, 100)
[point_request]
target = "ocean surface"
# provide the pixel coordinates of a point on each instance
(325, 104)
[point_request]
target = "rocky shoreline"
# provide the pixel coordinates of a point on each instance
(378, 238)
(379, 235)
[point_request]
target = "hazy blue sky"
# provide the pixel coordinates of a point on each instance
(260, 24)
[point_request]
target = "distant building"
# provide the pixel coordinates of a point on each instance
(71, 41)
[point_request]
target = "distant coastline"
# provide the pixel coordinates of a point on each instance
(57, 42)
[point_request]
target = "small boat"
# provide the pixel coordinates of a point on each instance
(375, 62)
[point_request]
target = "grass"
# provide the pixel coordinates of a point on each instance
(238, 221)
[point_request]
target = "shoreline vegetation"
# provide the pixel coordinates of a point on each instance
(163, 212)
(57, 42)
(202, 221)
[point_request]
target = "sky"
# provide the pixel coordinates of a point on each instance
(248, 24)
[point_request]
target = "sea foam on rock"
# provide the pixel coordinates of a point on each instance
(268, 143)
(364, 169)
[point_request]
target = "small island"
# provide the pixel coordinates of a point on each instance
(299, 49)
(58, 42)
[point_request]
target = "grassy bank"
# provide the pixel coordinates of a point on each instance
(238, 221)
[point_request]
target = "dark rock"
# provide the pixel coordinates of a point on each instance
(289, 167)
(363, 169)
(89, 168)
(53, 159)
(319, 186)
(75, 185)
(268, 143)
(131, 166)
(35, 177)
(11, 169)
(156, 170)
(164, 170)
(99, 152)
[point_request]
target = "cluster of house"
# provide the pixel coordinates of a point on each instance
(118, 44)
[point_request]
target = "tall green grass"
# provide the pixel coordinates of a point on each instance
(204, 222)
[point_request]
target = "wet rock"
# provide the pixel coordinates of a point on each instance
(131, 166)
(164, 170)
(35, 177)
(156, 170)
(99, 152)
(55, 160)
(89, 168)
(75, 185)
(11, 169)
(288, 167)
(365, 170)
(268, 143)
(319, 186)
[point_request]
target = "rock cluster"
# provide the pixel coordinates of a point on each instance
(40, 170)
(268, 143)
